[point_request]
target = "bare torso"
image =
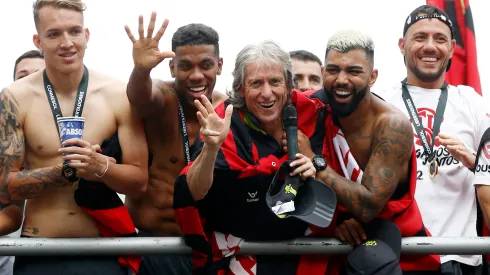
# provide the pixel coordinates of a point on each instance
(153, 212)
(361, 139)
(54, 212)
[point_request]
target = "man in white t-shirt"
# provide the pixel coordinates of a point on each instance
(445, 189)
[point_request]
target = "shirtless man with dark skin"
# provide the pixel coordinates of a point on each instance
(378, 134)
(195, 64)
(29, 135)
(375, 141)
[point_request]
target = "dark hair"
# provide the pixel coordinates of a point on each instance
(195, 35)
(28, 54)
(305, 56)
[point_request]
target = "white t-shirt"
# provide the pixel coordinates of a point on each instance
(448, 201)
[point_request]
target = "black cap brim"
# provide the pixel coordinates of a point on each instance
(315, 202)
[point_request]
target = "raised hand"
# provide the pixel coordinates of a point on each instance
(213, 128)
(146, 54)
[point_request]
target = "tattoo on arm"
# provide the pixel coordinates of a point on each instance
(388, 165)
(15, 185)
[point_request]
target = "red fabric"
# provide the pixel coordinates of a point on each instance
(207, 246)
(408, 220)
(105, 207)
(464, 66)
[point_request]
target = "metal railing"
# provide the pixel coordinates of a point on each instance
(173, 245)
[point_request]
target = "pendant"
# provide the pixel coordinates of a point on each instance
(433, 168)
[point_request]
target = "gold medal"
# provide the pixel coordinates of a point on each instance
(433, 168)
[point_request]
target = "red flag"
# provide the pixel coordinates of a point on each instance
(464, 67)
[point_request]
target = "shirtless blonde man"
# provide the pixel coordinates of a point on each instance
(29, 133)
(171, 124)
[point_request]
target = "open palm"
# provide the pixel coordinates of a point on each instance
(146, 54)
(213, 128)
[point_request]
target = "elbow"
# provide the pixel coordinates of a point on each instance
(369, 211)
(197, 193)
(198, 196)
(142, 186)
(138, 188)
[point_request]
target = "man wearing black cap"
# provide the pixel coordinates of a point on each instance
(448, 123)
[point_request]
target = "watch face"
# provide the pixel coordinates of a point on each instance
(320, 162)
(68, 172)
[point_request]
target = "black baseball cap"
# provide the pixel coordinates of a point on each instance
(315, 202)
(416, 15)
(380, 254)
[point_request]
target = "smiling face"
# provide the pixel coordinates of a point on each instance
(346, 80)
(62, 38)
(265, 91)
(427, 47)
(195, 69)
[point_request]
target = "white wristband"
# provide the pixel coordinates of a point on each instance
(106, 168)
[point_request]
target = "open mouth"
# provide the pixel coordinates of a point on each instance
(199, 89)
(267, 105)
(429, 59)
(343, 94)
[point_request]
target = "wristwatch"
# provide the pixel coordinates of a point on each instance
(319, 162)
(69, 173)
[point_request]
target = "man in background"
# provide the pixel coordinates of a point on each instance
(28, 63)
(307, 70)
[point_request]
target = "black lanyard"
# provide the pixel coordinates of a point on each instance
(183, 131)
(53, 100)
(417, 124)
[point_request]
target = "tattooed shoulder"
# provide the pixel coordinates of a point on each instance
(11, 134)
(393, 134)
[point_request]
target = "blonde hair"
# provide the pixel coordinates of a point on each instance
(76, 5)
(347, 40)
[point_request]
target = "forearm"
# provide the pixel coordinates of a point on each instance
(10, 219)
(483, 194)
(126, 179)
(355, 197)
(27, 184)
(139, 89)
(200, 175)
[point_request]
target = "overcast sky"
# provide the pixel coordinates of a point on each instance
(305, 24)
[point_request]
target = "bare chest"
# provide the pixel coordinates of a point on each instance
(165, 139)
(40, 128)
(360, 148)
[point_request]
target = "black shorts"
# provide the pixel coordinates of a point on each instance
(68, 265)
(164, 264)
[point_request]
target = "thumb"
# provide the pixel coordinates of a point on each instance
(167, 54)
(97, 148)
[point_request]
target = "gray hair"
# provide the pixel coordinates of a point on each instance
(347, 40)
(268, 53)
